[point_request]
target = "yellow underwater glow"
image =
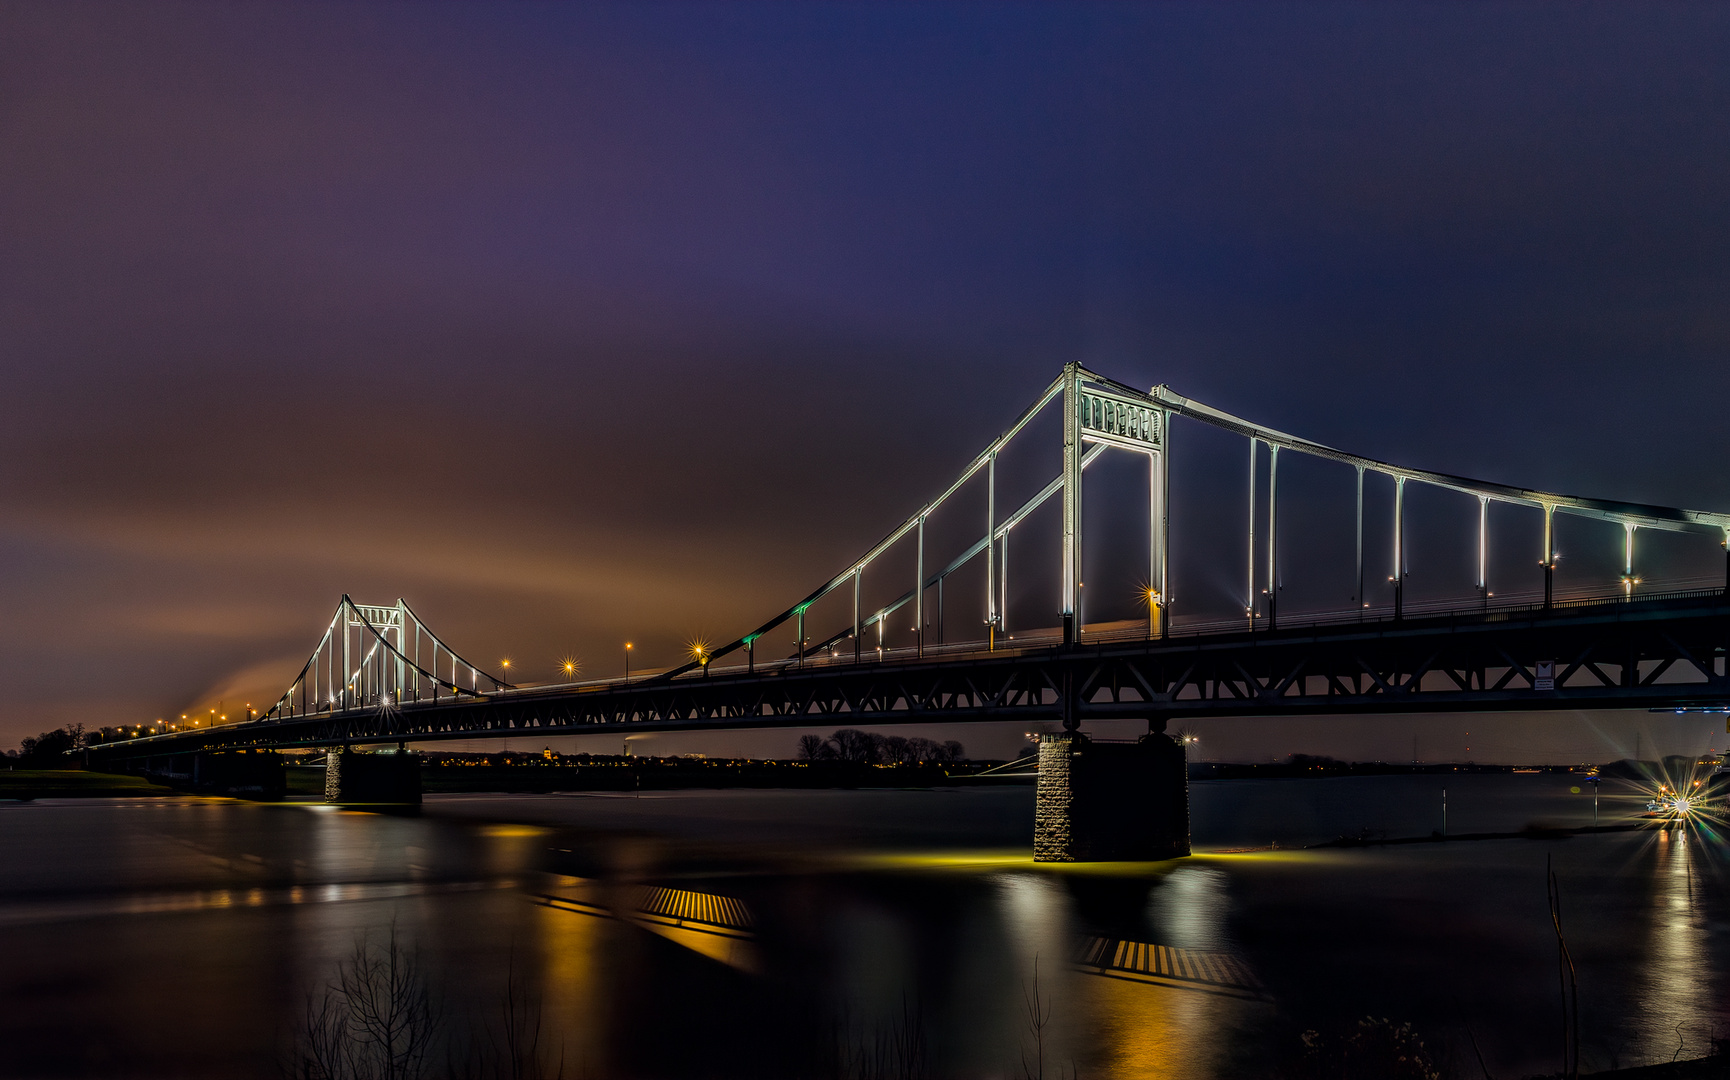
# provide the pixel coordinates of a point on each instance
(995, 861)
(514, 830)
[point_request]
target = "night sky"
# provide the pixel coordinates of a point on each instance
(579, 324)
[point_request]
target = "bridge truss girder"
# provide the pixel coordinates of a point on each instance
(1639, 655)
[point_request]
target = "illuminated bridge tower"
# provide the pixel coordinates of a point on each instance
(1100, 801)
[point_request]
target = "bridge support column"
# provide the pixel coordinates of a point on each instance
(359, 779)
(1107, 802)
(242, 774)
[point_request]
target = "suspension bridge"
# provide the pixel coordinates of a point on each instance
(379, 674)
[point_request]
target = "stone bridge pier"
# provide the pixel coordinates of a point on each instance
(1110, 801)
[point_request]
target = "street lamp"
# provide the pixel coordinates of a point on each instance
(1187, 739)
(627, 662)
(570, 671)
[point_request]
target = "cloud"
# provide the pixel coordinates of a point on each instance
(257, 685)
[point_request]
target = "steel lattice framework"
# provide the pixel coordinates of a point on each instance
(365, 659)
(379, 674)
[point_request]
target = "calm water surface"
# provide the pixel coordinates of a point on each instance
(785, 933)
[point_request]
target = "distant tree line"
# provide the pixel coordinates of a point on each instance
(870, 748)
(48, 750)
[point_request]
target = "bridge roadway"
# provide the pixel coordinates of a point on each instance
(1658, 652)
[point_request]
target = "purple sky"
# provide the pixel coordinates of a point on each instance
(577, 324)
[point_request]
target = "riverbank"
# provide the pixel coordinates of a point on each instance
(28, 784)
(530, 775)
(1714, 1067)
(1533, 831)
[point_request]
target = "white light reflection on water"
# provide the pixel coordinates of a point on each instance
(1676, 1002)
(1036, 910)
(1190, 906)
(1037, 914)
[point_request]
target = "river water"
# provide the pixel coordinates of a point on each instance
(842, 933)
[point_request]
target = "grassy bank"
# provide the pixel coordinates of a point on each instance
(74, 784)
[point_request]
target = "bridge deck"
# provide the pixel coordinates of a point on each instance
(1660, 651)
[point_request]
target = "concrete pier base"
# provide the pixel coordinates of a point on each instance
(358, 779)
(1110, 802)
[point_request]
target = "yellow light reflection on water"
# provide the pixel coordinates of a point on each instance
(513, 831)
(1120, 1013)
(571, 989)
(1146, 1030)
(724, 948)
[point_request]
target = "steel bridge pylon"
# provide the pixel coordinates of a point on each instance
(1100, 414)
(366, 658)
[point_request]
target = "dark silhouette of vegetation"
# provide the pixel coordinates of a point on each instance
(1567, 978)
(1372, 1049)
(49, 749)
(1037, 1011)
(871, 748)
(1477, 1053)
(380, 1019)
(893, 1050)
(514, 1046)
(376, 1020)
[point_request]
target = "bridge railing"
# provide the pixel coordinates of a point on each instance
(1181, 628)
(1513, 603)
(841, 655)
